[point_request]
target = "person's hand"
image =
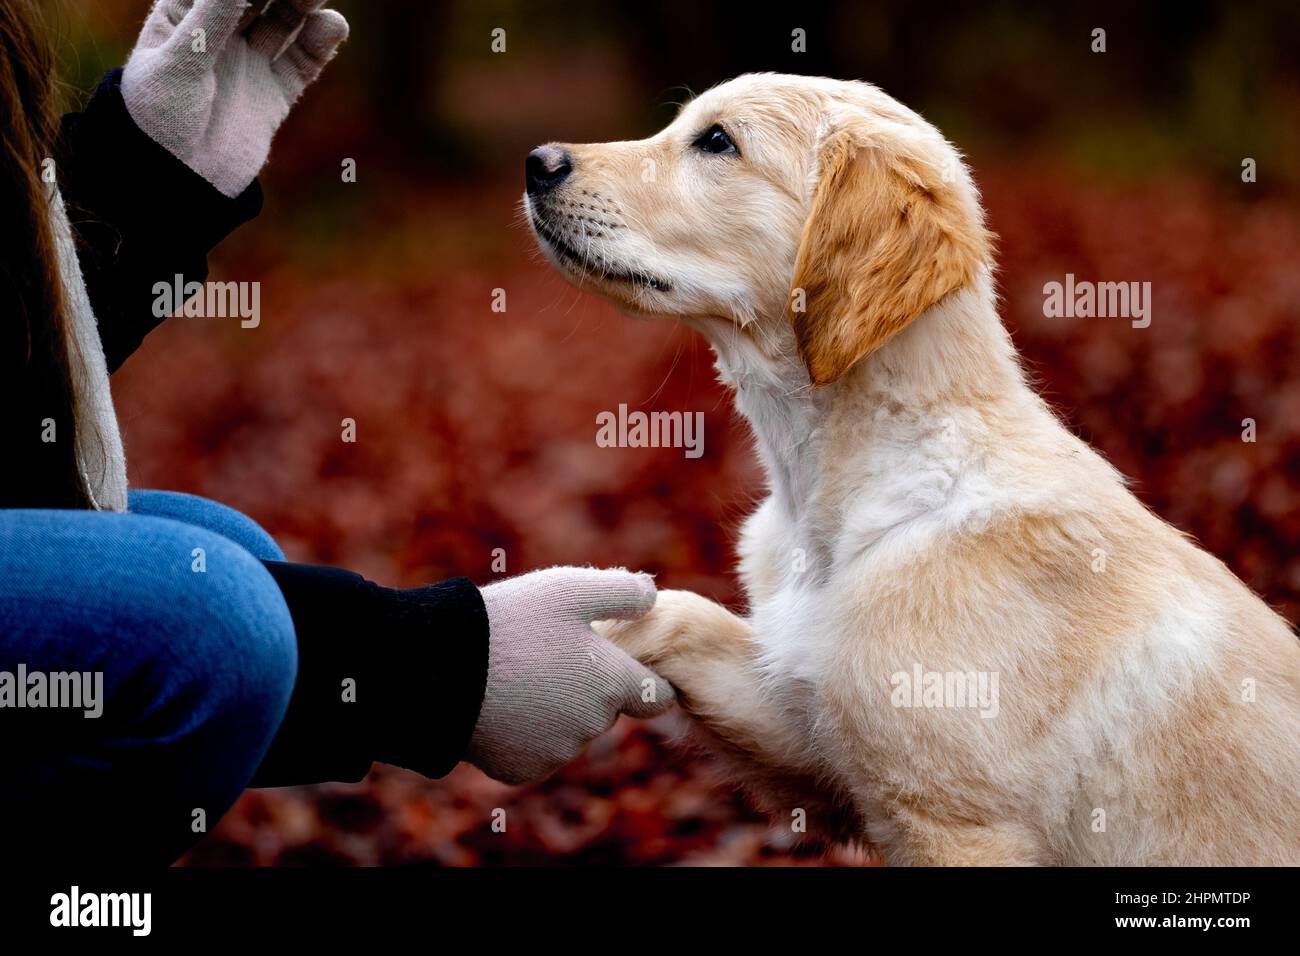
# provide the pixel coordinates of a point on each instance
(212, 87)
(553, 684)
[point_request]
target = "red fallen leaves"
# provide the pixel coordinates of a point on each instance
(476, 431)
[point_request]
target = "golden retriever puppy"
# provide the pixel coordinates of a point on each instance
(967, 642)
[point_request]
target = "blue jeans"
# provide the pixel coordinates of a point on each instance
(171, 604)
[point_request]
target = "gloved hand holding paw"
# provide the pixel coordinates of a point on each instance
(553, 684)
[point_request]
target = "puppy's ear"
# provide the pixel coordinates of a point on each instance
(888, 237)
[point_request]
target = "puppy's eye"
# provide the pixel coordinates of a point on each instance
(715, 140)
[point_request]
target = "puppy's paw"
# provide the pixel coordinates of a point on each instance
(648, 639)
(680, 625)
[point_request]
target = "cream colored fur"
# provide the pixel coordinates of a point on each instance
(925, 509)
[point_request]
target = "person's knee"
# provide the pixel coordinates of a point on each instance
(220, 652)
(246, 649)
(194, 658)
(209, 514)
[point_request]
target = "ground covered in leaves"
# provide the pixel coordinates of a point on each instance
(476, 431)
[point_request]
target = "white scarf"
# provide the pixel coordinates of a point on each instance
(100, 455)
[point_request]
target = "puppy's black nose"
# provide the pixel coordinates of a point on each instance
(545, 168)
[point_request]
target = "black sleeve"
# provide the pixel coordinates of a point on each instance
(140, 214)
(383, 674)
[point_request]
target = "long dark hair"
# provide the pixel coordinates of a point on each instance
(36, 394)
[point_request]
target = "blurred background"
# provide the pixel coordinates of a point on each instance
(476, 429)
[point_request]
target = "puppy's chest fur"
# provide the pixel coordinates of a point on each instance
(816, 544)
(862, 504)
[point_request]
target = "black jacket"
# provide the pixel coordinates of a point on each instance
(418, 656)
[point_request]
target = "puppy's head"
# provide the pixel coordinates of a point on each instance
(824, 203)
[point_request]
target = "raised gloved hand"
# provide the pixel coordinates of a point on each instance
(212, 86)
(553, 684)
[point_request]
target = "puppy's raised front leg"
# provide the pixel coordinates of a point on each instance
(708, 654)
(710, 657)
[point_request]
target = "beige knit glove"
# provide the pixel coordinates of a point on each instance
(213, 90)
(553, 684)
